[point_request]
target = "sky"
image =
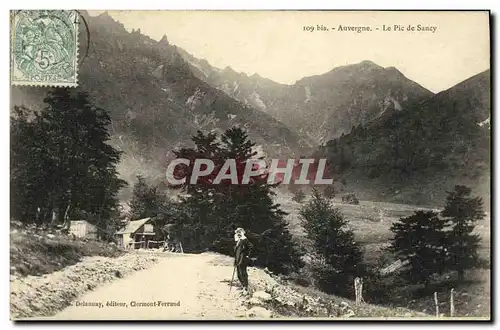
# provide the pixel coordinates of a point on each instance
(275, 45)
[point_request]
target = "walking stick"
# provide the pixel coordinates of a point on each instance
(232, 279)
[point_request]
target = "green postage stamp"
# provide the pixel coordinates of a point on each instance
(44, 48)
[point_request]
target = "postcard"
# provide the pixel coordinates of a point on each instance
(250, 165)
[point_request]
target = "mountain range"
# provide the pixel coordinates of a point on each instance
(322, 107)
(159, 95)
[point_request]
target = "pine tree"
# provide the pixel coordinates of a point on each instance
(329, 192)
(62, 163)
(147, 201)
(196, 222)
(420, 239)
(27, 164)
(340, 257)
(462, 211)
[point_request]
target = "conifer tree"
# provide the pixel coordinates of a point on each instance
(196, 222)
(252, 207)
(462, 211)
(420, 240)
(218, 209)
(340, 257)
(298, 196)
(61, 162)
(147, 201)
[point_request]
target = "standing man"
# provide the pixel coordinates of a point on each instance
(242, 251)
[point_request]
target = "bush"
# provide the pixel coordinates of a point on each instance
(298, 196)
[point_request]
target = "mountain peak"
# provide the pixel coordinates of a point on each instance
(393, 70)
(369, 63)
(365, 65)
(106, 21)
(105, 15)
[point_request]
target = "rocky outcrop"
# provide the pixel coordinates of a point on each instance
(35, 296)
(259, 312)
(319, 107)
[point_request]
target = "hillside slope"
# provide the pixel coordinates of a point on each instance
(416, 155)
(32, 250)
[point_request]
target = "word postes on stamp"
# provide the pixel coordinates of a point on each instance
(44, 48)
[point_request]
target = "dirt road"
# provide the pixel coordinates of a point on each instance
(181, 287)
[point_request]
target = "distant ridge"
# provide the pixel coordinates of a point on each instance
(323, 106)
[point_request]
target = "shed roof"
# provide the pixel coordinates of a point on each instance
(133, 226)
(80, 222)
